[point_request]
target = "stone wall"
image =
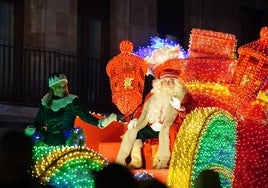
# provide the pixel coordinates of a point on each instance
(51, 24)
(135, 20)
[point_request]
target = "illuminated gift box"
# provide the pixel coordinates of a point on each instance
(211, 44)
(127, 73)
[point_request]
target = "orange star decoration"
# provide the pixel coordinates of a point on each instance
(127, 73)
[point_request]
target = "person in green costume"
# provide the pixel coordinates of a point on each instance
(56, 116)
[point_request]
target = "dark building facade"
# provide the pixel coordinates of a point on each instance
(79, 37)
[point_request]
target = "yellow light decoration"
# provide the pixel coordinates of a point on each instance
(182, 158)
(187, 145)
(222, 170)
(127, 73)
(46, 167)
(218, 89)
(207, 94)
(262, 98)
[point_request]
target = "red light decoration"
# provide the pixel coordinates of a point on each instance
(209, 69)
(171, 64)
(240, 86)
(127, 73)
(250, 74)
(249, 95)
(211, 44)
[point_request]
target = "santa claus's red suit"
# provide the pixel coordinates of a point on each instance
(160, 116)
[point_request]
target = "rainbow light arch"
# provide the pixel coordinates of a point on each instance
(197, 149)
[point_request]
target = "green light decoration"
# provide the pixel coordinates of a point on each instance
(206, 140)
(216, 147)
(66, 166)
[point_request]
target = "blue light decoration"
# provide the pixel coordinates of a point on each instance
(140, 176)
(76, 137)
(159, 51)
(157, 43)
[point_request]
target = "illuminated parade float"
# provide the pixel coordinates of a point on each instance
(227, 131)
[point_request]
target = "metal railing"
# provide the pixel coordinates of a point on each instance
(24, 73)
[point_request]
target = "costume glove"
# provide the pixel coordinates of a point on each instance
(176, 103)
(29, 130)
(133, 123)
(106, 121)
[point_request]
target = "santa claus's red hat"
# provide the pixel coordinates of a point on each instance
(169, 73)
(170, 69)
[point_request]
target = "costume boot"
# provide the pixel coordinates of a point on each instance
(136, 158)
(128, 141)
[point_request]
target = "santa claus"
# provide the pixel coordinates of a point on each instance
(159, 117)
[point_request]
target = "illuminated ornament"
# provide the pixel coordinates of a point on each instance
(127, 73)
(209, 69)
(211, 57)
(250, 96)
(75, 137)
(159, 52)
(206, 140)
(251, 72)
(66, 166)
(211, 44)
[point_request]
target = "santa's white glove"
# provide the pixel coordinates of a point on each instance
(30, 130)
(106, 121)
(133, 123)
(176, 103)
